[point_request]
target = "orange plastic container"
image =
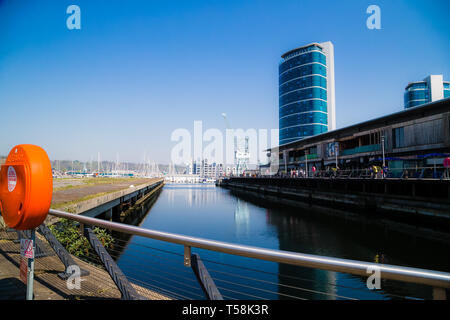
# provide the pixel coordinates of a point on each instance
(26, 186)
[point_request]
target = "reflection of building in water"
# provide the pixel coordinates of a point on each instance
(192, 195)
(242, 218)
(296, 234)
(170, 195)
(189, 198)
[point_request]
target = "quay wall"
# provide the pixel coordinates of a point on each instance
(420, 203)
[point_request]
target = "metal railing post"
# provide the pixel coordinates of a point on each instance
(187, 256)
(125, 288)
(60, 251)
(204, 278)
(30, 269)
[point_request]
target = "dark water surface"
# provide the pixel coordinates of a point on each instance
(219, 214)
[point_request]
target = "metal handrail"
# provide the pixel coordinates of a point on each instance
(318, 172)
(436, 279)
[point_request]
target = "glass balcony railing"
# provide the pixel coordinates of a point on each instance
(362, 149)
(310, 157)
(302, 158)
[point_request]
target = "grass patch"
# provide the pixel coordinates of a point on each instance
(70, 186)
(95, 181)
(68, 204)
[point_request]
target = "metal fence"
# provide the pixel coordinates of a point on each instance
(368, 173)
(163, 269)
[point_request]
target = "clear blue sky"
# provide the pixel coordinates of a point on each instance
(137, 70)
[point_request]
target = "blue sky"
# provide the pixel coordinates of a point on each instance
(137, 70)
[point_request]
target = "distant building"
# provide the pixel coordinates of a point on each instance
(432, 88)
(204, 169)
(306, 92)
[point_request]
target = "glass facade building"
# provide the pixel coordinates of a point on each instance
(306, 92)
(446, 90)
(432, 88)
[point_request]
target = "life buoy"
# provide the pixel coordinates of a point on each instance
(26, 186)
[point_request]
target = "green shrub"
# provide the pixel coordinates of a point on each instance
(67, 232)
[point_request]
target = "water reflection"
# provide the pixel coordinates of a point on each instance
(358, 238)
(248, 218)
(191, 194)
(242, 219)
(135, 218)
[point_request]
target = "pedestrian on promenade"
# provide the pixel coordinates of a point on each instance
(334, 172)
(375, 171)
(385, 171)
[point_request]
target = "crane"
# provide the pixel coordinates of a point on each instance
(240, 148)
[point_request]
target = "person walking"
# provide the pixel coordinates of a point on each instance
(385, 171)
(375, 171)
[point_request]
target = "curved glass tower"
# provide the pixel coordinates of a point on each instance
(306, 92)
(416, 93)
(432, 88)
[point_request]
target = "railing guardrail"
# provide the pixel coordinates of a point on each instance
(436, 279)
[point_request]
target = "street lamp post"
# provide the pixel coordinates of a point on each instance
(335, 153)
(384, 162)
(306, 158)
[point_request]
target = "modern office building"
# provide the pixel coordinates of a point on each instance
(306, 92)
(432, 88)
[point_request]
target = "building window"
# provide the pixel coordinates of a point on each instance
(398, 135)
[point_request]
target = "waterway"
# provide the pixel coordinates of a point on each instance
(215, 213)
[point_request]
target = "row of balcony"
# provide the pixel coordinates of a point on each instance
(347, 152)
(361, 149)
(303, 158)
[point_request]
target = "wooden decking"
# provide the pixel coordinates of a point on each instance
(47, 285)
